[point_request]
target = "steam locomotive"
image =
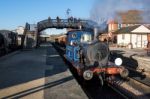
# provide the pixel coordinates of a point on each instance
(90, 57)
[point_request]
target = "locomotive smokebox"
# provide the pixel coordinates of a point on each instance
(97, 54)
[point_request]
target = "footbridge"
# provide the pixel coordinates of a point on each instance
(70, 23)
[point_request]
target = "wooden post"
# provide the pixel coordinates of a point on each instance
(141, 40)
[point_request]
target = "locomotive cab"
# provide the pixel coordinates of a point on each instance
(76, 39)
(86, 37)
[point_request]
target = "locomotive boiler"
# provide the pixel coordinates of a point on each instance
(90, 57)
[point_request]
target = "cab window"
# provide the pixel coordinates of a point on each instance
(86, 37)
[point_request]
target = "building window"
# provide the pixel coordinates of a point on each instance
(119, 26)
(74, 35)
(123, 36)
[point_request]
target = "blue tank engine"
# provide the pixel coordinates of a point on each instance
(90, 56)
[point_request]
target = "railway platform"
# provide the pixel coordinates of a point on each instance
(37, 74)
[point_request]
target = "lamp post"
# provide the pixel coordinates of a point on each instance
(68, 11)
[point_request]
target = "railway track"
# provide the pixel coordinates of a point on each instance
(92, 88)
(139, 81)
(130, 87)
(139, 76)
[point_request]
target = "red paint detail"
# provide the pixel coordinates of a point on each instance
(109, 70)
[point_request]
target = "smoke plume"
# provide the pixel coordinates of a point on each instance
(104, 10)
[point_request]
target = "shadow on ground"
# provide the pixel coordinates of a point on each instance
(39, 88)
(29, 65)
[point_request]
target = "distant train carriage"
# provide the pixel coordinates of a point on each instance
(8, 41)
(2, 45)
(91, 57)
(61, 40)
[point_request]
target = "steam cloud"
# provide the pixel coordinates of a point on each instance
(104, 10)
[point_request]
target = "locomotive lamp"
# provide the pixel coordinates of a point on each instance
(118, 61)
(123, 72)
(88, 75)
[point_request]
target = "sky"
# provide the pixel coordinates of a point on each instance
(17, 12)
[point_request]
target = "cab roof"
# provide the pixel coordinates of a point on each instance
(77, 31)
